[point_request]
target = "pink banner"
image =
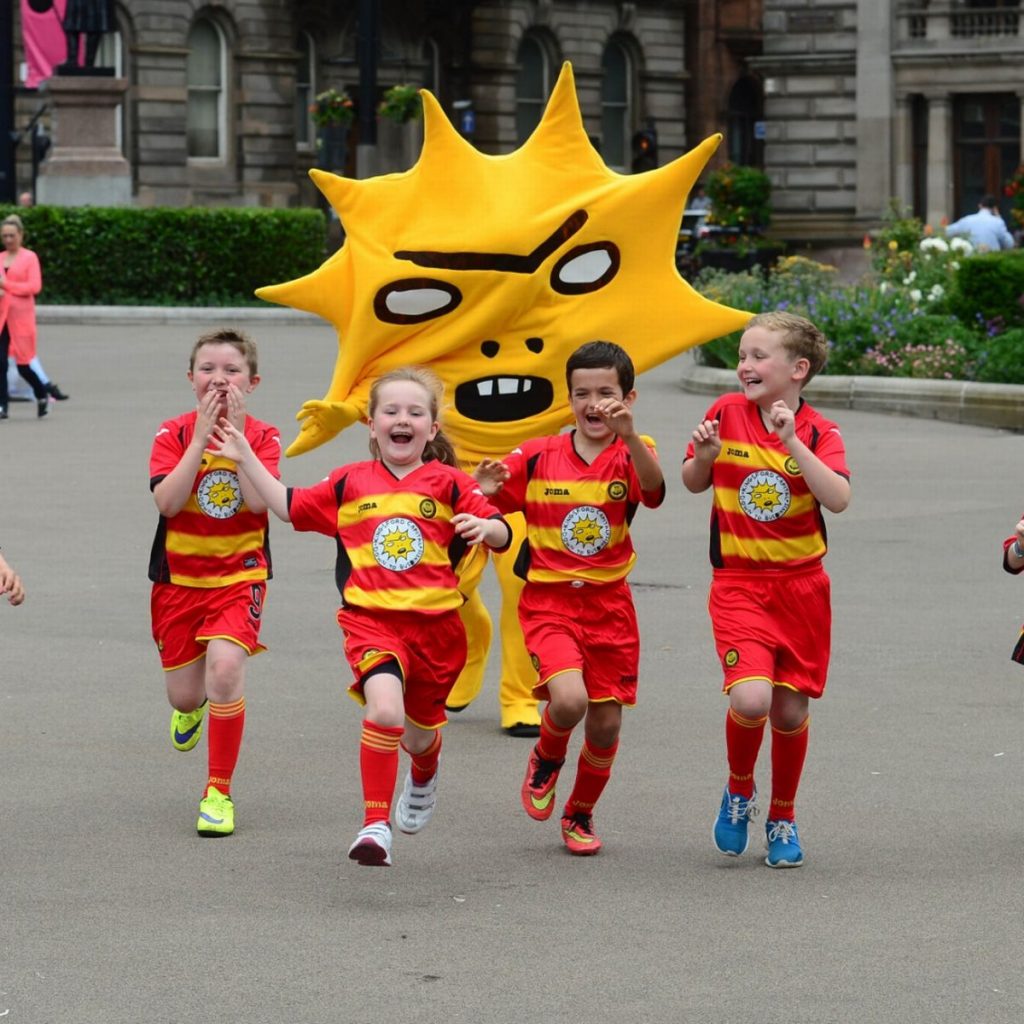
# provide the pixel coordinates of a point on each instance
(42, 35)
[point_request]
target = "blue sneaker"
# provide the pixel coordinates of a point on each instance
(731, 825)
(783, 844)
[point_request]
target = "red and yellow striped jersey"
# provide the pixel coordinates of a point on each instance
(214, 540)
(763, 515)
(397, 549)
(577, 513)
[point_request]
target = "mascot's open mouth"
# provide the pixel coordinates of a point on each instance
(503, 399)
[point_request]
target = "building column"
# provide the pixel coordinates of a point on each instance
(903, 151)
(940, 159)
(874, 111)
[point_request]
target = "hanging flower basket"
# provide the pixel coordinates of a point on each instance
(332, 107)
(401, 104)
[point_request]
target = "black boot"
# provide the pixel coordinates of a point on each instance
(42, 407)
(3, 412)
(55, 392)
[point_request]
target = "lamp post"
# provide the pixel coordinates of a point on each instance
(8, 136)
(367, 45)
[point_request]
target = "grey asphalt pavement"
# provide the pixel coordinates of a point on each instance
(909, 908)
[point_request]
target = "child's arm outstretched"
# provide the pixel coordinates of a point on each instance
(831, 489)
(10, 583)
(1012, 561)
(230, 442)
(706, 445)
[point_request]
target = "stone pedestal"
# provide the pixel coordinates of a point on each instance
(85, 167)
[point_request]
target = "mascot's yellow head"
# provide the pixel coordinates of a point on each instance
(491, 270)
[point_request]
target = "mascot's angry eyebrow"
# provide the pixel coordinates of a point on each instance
(507, 263)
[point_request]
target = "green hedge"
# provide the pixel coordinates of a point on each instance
(989, 290)
(169, 257)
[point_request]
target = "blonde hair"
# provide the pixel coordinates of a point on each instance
(439, 448)
(800, 338)
(228, 336)
(15, 221)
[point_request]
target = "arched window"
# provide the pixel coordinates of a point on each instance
(206, 74)
(616, 104)
(746, 104)
(533, 84)
(305, 90)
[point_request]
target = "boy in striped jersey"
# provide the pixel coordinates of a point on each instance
(772, 462)
(210, 563)
(579, 492)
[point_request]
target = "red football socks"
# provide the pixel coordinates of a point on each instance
(378, 766)
(554, 740)
(224, 740)
(424, 764)
(742, 743)
(789, 749)
(593, 771)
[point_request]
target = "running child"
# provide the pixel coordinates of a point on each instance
(772, 462)
(210, 563)
(402, 522)
(1013, 563)
(579, 492)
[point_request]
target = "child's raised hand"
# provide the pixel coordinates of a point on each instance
(207, 414)
(229, 441)
(470, 528)
(618, 416)
(491, 475)
(235, 406)
(782, 419)
(1019, 530)
(706, 442)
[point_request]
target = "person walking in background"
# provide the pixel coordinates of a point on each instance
(402, 522)
(21, 280)
(210, 563)
(579, 492)
(984, 229)
(10, 583)
(772, 462)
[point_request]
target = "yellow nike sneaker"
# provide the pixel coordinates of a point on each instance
(187, 727)
(216, 814)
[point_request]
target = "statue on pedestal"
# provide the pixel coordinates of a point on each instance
(91, 18)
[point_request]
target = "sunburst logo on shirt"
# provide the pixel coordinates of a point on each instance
(586, 531)
(397, 544)
(765, 496)
(219, 494)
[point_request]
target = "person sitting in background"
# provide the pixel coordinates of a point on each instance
(984, 229)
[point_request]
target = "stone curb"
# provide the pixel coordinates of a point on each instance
(213, 315)
(981, 405)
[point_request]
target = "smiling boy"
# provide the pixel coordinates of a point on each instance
(772, 461)
(579, 492)
(210, 563)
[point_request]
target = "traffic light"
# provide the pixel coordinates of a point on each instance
(645, 150)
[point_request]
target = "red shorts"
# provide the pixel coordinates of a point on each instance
(430, 651)
(590, 629)
(186, 619)
(773, 624)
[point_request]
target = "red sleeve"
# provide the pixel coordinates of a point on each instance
(267, 446)
(649, 499)
(32, 282)
(315, 509)
(1006, 560)
(831, 450)
(471, 499)
(167, 451)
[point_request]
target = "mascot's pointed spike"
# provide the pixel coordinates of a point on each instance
(673, 182)
(438, 131)
(562, 127)
(338, 191)
(312, 293)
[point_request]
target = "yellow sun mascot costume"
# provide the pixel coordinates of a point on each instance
(491, 270)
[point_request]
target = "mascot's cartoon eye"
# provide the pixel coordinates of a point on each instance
(585, 268)
(414, 300)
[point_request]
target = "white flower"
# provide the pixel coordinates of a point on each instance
(955, 264)
(915, 295)
(938, 244)
(909, 279)
(883, 287)
(959, 244)
(936, 292)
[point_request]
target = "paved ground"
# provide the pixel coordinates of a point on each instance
(908, 910)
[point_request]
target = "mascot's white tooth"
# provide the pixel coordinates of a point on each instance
(527, 384)
(508, 385)
(485, 388)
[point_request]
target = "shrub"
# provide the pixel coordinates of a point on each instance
(161, 256)
(999, 359)
(989, 291)
(740, 197)
(929, 346)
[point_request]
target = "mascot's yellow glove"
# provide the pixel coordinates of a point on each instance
(322, 420)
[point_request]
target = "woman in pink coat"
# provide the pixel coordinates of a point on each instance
(21, 280)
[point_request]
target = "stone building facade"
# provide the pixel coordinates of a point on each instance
(216, 108)
(866, 100)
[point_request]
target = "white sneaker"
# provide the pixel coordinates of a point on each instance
(416, 804)
(372, 847)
